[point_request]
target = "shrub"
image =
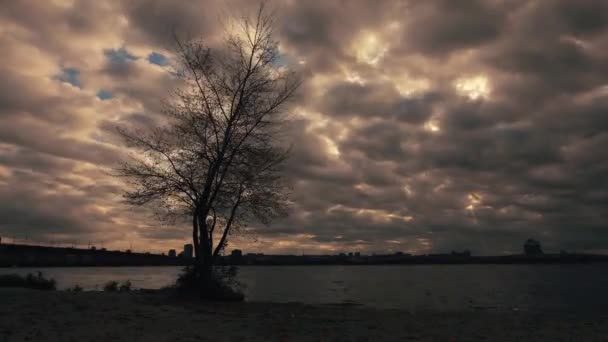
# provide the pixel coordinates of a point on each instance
(125, 286)
(111, 286)
(75, 288)
(114, 286)
(30, 281)
(187, 280)
(222, 286)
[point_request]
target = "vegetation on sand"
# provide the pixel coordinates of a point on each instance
(30, 281)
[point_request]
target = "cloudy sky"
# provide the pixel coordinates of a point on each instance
(421, 125)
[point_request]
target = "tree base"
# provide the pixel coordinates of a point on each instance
(214, 286)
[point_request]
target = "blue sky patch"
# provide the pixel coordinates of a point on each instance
(119, 55)
(283, 60)
(70, 75)
(104, 94)
(158, 59)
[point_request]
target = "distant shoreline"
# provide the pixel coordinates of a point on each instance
(324, 264)
(42, 256)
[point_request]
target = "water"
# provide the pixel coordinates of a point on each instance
(412, 287)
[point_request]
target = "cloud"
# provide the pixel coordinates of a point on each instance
(441, 27)
(420, 126)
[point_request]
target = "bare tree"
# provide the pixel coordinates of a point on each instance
(217, 159)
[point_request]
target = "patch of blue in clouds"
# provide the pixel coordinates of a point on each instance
(104, 94)
(70, 75)
(119, 55)
(158, 59)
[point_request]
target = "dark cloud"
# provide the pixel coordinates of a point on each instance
(441, 27)
(382, 100)
(119, 63)
(320, 32)
(157, 21)
(421, 126)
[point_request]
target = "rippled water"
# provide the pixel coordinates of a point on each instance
(412, 287)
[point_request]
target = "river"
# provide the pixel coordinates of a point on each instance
(412, 287)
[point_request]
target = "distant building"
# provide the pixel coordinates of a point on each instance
(188, 251)
(465, 253)
(172, 253)
(357, 254)
(350, 254)
(532, 247)
(236, 256)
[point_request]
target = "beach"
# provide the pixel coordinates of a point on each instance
(156, 316)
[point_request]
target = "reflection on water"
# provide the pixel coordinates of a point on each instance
(413, 287)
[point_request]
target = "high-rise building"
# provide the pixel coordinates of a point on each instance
(236, 257)
(188, 251)
(532, 247)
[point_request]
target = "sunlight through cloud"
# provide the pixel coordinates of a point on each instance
(432, 126)
(369, 49)
(477, 87)
(408, 86)
(331, 147)
(473, 201)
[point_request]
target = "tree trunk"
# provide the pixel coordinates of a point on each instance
(195, 242)
(205, 264)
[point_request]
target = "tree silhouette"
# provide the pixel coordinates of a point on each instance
(218, 158)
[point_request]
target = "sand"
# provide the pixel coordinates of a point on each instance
(153, 316)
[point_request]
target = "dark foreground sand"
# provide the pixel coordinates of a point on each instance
(137, 316)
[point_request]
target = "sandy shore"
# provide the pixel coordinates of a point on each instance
(97, 316)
